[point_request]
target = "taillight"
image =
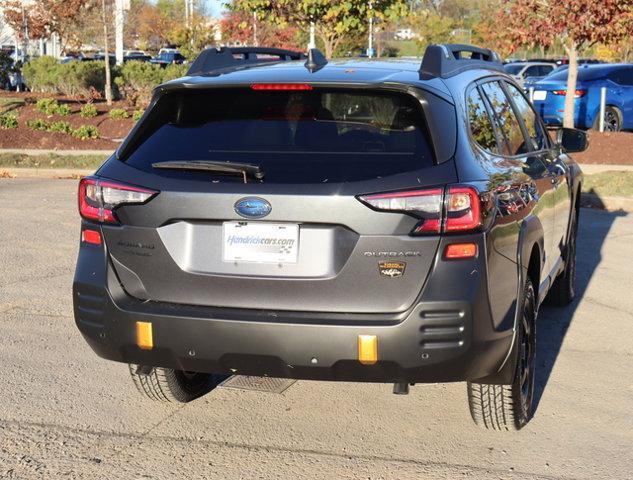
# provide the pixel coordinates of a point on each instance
(98, 198)
(424, 204)
(577, 93)
(463, 209)
(454, 209)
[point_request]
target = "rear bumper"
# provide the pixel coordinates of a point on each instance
(440, 339)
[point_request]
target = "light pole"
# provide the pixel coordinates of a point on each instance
(370, 46)
(312, 42)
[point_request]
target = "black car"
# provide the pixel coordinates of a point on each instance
(357, 220)
(168, 57)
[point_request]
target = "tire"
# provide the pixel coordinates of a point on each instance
(510, 407)
(612, 119)
(563, 289)
(167, 385)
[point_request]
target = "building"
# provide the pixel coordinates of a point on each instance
(21, 46)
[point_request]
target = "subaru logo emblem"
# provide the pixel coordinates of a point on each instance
(252, 207)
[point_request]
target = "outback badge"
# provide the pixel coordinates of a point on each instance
(392, 269)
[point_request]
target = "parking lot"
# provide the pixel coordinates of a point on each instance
(66, 413)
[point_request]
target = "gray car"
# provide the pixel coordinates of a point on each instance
(357, 220)
(534, 71)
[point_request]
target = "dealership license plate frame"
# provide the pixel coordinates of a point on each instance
(247, 250)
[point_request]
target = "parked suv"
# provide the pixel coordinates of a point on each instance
(373, 221)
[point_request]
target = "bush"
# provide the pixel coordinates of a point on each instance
(47, 106)
(75, 79)
(137, 80)
(174, 71)
(63, 110)
(40, 74)
(38, 124)
(88, 111)
(84, 132)
(8, 120)
(60, 127)
(136, 116)
(118, 114)
(80, 79)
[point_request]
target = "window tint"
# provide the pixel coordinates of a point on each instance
(332, 135)
(508, 123)
(585, 73)
(532, 123)
(532, 71)
(513, 69)
(481, 127)
(545, 70)
(622, 77)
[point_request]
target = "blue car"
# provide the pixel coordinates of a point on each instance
(549, 97)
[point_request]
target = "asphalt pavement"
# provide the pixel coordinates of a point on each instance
(65, 413)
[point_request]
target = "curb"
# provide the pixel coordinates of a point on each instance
(35, 152)
(58, 173)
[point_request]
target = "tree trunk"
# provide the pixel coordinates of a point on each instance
(108, 76)
(572, 76)
(329, 46)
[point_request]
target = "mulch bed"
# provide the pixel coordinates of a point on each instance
(607, 149)
(111, 131)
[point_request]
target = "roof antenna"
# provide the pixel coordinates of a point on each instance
(316, 60)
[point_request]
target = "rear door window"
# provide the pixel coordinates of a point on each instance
(514, 141)
(532, 122)
(319, 135)
(532, 71)
(481, 128)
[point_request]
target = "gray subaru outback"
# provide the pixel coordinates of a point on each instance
(278, 214)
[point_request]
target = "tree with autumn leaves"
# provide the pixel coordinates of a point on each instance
(333, 21)
(577, 24)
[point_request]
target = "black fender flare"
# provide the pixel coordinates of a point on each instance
(530, 234)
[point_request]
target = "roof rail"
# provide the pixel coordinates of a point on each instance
(450, 59)
(214, 59)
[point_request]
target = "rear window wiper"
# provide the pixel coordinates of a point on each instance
(227, 168)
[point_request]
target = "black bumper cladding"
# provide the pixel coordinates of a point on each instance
(438, 340)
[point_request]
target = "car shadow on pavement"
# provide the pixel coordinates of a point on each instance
(553, 322)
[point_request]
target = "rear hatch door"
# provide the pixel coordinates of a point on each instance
(298, 238)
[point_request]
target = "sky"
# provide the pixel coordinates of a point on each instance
(215, 7)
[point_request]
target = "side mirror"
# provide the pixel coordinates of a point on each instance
(573, 140)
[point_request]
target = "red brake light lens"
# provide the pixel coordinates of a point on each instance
(577, 93)
(98, 198)
(281, 86)
(455, 209)
(463, 209)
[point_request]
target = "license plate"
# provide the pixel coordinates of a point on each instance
(539, 95)
(260, 242)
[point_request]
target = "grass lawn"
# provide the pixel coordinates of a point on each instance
(609, 184)
(14, 160)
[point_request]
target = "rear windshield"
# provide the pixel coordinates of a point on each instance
(321, 135)
(584, 74)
